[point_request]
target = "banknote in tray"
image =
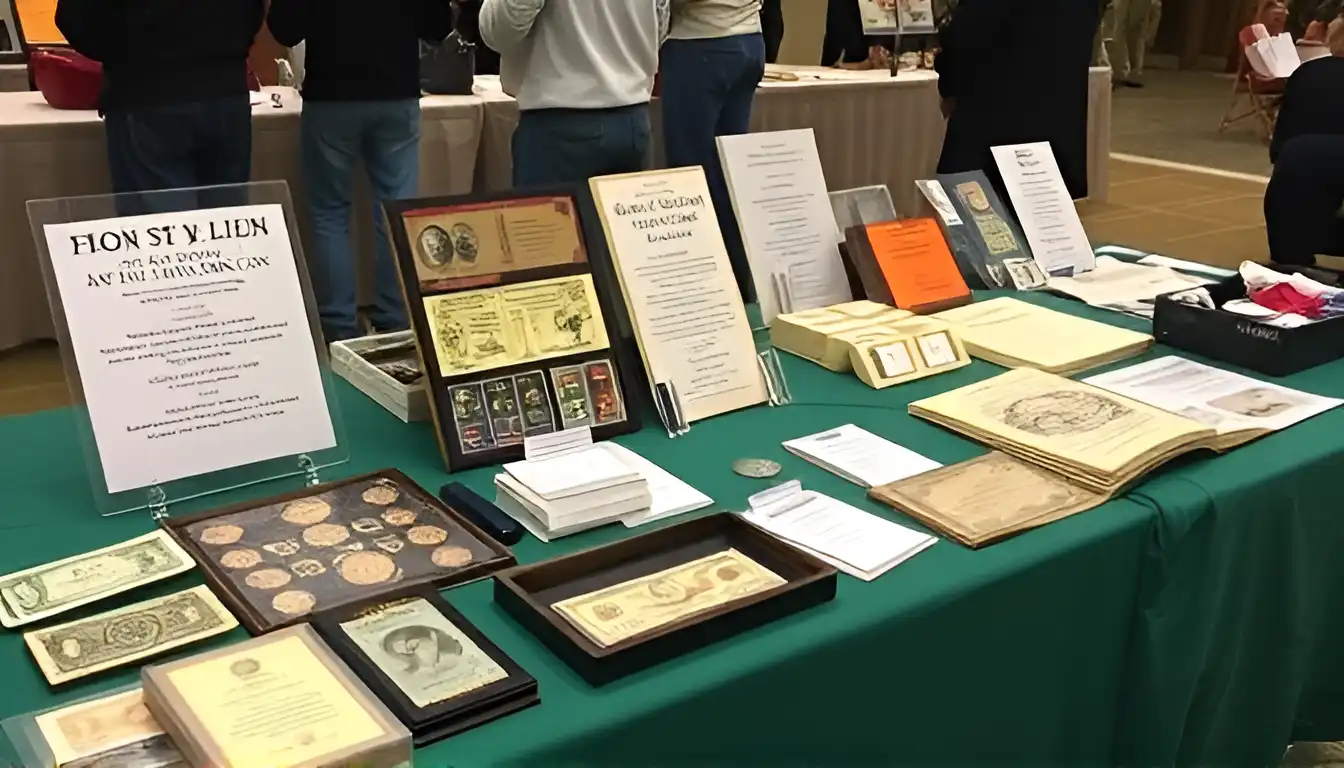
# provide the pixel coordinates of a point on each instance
(70, 651)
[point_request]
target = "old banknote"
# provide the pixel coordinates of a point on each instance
(641, 605)
(47, 590)
(428, 658)
(94, 728)
(71, 651)
(154, 752)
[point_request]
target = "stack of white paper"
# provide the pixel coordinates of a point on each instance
(863, 545)
(670, 495)
(570, 492)
(859, 456)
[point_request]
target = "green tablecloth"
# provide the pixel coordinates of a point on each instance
(1190, 621)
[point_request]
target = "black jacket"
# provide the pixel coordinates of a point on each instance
(360, 50)
(1313, 103)
(164, 51)
(1018, 70)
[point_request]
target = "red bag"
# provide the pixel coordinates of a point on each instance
(66, 79)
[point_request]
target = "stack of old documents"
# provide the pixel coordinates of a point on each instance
(1094, 438)
(571, 492)
(1016, 334)
(819, 335)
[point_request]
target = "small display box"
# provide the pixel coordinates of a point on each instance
(372, 365)
(614, 610)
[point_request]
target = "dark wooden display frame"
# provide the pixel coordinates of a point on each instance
(528, 592)
(256, 623)
(20, 56)
(439, 721)
(596, 263)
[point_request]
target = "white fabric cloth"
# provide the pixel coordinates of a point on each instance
(576, 54)
(699, 19)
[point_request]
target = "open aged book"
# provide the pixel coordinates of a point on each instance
(1016, 334)
(1097, 439)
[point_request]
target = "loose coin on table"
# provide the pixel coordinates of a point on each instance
(758, 468)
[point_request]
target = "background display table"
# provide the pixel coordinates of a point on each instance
(1193, 622)
(47, 153)
(13, 77)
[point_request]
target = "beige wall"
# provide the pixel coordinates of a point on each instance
(804, 28)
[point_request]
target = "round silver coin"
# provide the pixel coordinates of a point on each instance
(756, 467)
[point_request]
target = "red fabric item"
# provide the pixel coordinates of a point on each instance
(1282, 297)
(66, 79)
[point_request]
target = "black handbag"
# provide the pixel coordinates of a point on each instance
(449, 68)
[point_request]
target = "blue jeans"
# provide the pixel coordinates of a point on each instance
(177, 146)
(566, 146)
(708, 88)
(338, 135)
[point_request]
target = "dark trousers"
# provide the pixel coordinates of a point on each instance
(1303, 199)
(708, 88)
(772, 29)
(196, 144)
(565, 146)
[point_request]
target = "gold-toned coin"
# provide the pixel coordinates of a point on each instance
(240, 558)
(295, 602)
(382, 494)
(427, 534)
(325, 535)
(306, 511)
(220, 535)
(399, 516)
(267, 578)
(365, 568)
(451, 557)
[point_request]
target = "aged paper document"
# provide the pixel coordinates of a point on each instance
(97, 726)
(688, 315)
(641, 605)
(514, 324)
(986, 499)
(788, 229)
(423, 653)
(1014, 333)
(1086, 433)
(47, 590)
(274, 704)
(70, 651)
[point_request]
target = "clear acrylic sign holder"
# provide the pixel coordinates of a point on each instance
(157, 499)
(668, 402)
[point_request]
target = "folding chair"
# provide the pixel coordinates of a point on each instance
(1261, 92)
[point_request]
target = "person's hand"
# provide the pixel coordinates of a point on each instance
(946, 106)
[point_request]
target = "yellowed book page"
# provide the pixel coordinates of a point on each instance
(93, 727)
(273, 704)
(1037, 336)
(514, 324)
(1081, 424)
(641, 605)
(679, 287)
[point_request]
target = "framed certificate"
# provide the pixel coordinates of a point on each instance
(283, 701)
(427, 663)
(518, 333)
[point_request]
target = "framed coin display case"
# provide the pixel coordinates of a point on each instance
(436, 671)
(516, 317)
(529, 593)
(275, 561)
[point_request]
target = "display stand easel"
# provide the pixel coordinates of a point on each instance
(157, 499)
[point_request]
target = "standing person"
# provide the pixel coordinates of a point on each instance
(358, 110)
(987, 46)
(582, 72)
(711, 64)
(772, 28)
(468, 11)
(1313, 97)
(175, 95)
(1133, 24)
(846, 46)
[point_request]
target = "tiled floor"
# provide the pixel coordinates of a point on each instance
(1181, 213)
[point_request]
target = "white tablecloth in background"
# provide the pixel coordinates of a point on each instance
(47, 153)
(13, 77)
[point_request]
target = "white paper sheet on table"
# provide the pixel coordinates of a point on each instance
(1124, 286)
(671, 495)
(860, 456)
(1044, 208)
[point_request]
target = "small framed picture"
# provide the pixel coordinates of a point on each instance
(893, 360)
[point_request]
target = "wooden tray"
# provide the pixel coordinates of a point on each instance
(528, 592)
(446, 718)
(414, 562)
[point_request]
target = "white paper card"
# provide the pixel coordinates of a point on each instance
(556, 443)
(937, 349)
(671, 495)
(1045, 208)
(894, 359)
(784, 214)
(571, 473)
(192, 339)
(859, 456)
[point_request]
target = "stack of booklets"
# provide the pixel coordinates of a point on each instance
(1099, 440)
(572, 492)
(818, 334)
(1016, 334)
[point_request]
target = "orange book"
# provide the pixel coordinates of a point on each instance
(908, 265)
(37, 19)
